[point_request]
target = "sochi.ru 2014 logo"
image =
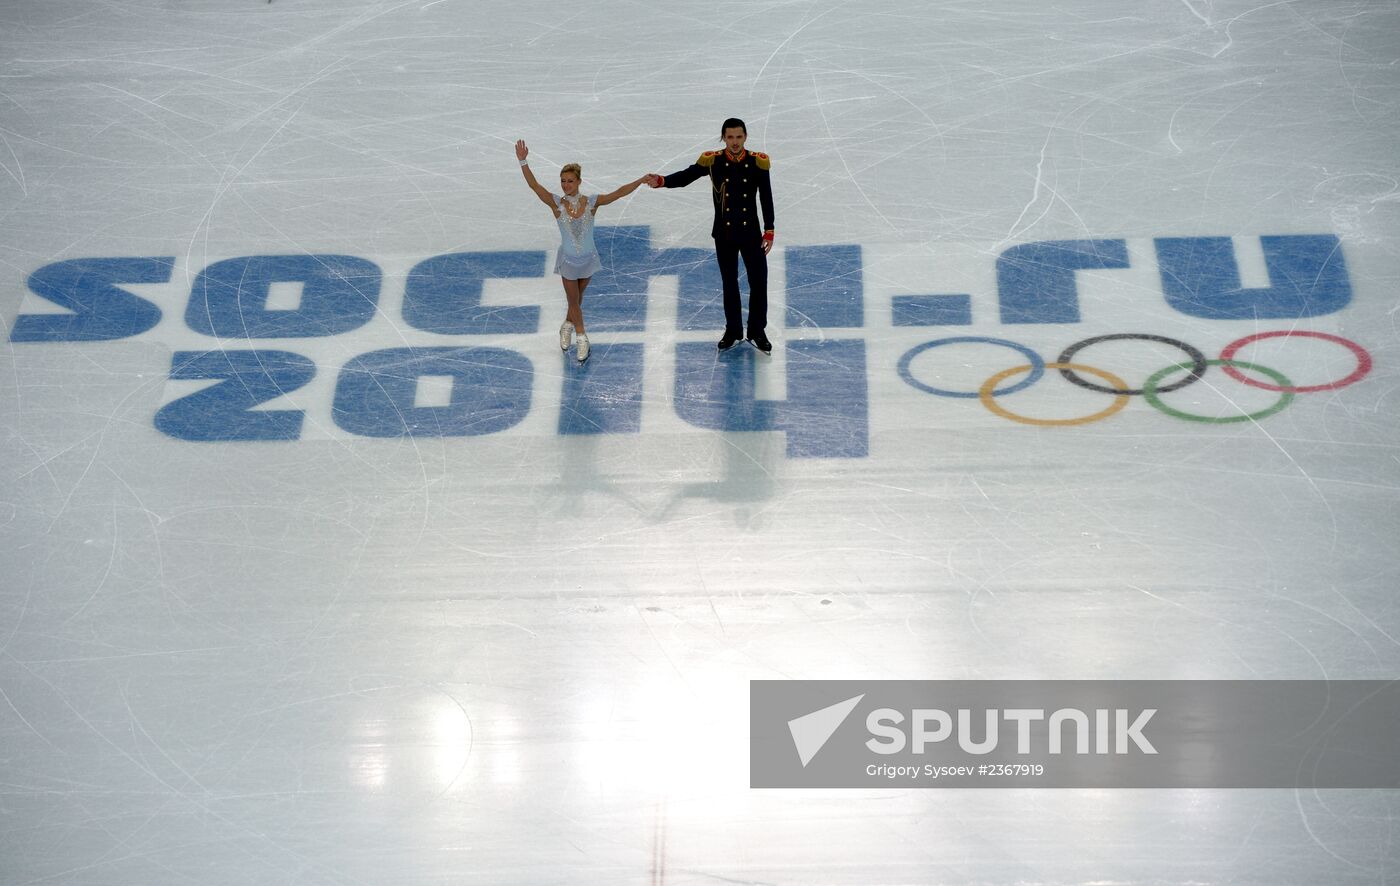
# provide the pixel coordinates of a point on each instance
(249, 322)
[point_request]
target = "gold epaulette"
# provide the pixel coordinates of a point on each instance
(707, 158)
(762, 160)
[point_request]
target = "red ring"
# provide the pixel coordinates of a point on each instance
(1363, 361)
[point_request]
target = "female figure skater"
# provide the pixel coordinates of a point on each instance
(578, 257)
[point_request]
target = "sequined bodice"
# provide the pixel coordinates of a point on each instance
(576, 224)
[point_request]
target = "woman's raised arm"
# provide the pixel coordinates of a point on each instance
(521, 152)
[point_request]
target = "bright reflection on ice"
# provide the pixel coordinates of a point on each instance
(668, 735)
(451, 742)
(370, 755)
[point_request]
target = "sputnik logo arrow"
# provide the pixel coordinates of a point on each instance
(811, 731)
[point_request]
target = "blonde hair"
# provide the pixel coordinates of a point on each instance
(574, 168)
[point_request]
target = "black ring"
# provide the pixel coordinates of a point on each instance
(1198, 361)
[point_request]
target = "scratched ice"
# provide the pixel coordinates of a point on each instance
(322, 565)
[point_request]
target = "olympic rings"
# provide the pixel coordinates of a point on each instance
(1152, 389)
(1198, 361)
(1363, 360)
(1037, 364)
(1150, 393)
(1119, 386)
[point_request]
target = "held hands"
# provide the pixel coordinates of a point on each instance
(652, 180)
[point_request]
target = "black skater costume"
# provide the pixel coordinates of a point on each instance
(737, 186)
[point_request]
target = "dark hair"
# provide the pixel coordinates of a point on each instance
(733, 123)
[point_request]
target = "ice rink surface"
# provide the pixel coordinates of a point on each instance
(413, 598)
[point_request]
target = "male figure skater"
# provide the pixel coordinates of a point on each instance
(737, 178)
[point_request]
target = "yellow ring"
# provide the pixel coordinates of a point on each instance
(988, 400)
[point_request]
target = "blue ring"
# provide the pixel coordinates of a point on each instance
(1037, 365)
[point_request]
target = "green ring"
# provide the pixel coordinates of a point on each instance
(1149, 392)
